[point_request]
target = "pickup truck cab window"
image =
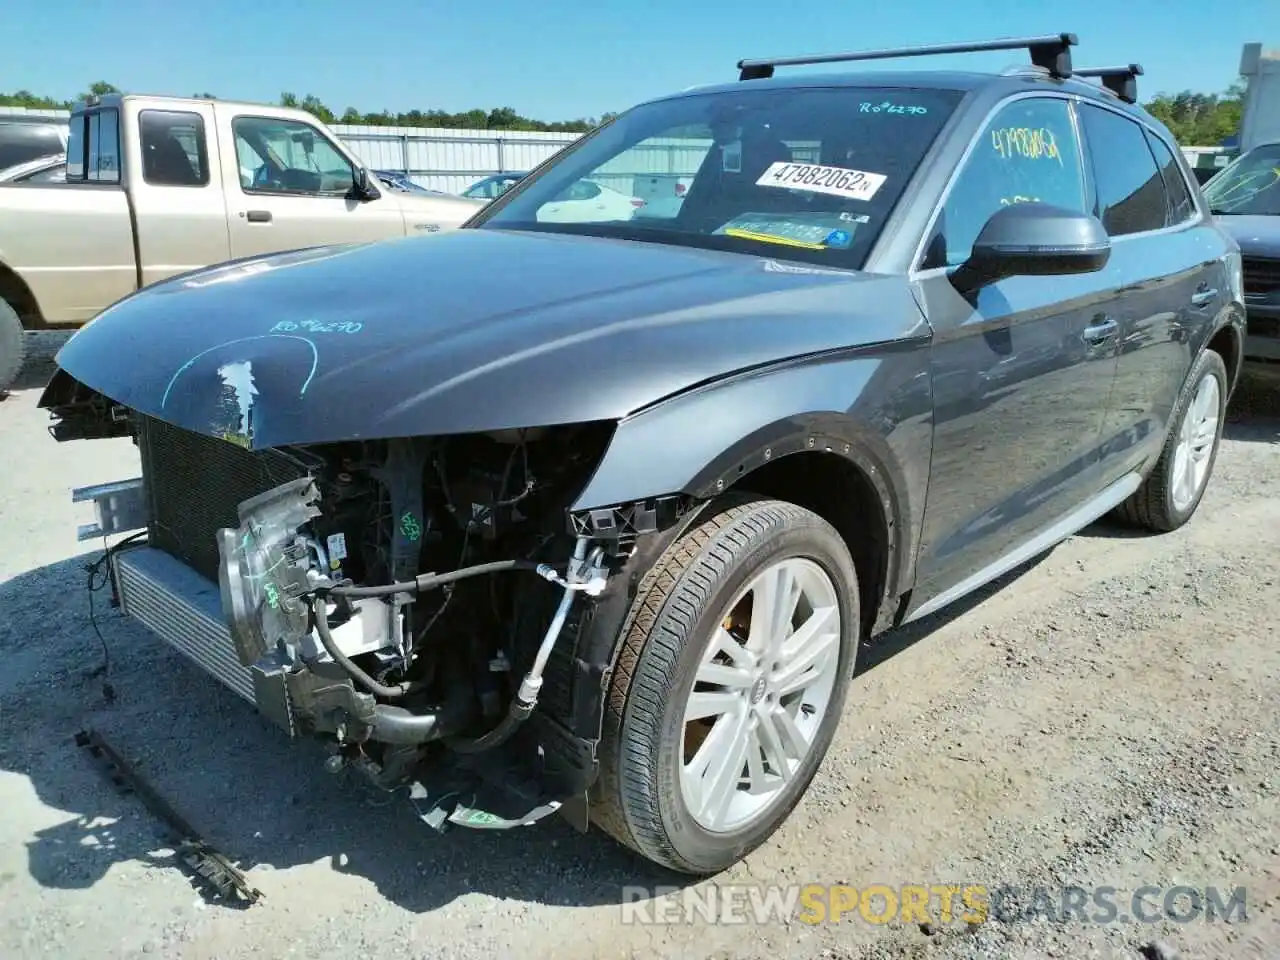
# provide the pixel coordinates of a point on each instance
(289, 157)
(1027, 152)
(93, 147)
(174, 150)
(1131, 194)
(793, 174)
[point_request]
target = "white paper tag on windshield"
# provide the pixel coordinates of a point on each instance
(815, 178)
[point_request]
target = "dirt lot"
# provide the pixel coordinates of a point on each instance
(1109, 717)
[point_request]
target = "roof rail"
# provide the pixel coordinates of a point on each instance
(1051, 51)
(1122, 81)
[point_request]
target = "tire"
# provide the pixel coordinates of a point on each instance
(13, 346)
(688, 592)
(1161, 504)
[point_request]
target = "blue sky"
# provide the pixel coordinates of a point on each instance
(555, 59)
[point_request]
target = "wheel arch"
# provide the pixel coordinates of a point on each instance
(848, 438)
(15, 291)
(1228, 342)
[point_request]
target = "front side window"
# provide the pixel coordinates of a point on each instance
(1027, 153)
(1251, 185)
(490, 188)
(289, 157)
(1131, 192)
(801, 174)
(174, 153)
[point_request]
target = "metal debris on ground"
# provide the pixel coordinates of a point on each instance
(210, 868)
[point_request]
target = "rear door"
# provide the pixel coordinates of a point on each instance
(1167, 276)
(288, 185)
(1021, 378)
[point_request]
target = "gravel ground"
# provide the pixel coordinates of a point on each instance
(1109, 717)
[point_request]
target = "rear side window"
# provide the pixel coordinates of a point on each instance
(1181, 207)
(1131, 194)
(174, 153)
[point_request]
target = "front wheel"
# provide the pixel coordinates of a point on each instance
(736, 660)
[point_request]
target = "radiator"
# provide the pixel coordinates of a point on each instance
(195, 484)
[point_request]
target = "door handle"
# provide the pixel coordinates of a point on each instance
(1102, 329)
(1203, 297)
(259, 216)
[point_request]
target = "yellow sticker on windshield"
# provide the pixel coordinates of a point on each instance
(769, 238)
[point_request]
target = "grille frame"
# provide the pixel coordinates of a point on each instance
(1261, 274)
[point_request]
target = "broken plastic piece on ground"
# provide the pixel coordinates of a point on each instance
(212, 869)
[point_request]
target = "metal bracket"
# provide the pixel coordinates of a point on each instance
(120, 507)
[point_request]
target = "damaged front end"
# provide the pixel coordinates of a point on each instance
(408, 601)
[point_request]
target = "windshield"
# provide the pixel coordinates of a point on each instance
(1251, 185)
(801, 174)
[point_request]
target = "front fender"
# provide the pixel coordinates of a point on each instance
(870, 405)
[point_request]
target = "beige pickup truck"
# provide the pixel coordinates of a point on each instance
(156, 186)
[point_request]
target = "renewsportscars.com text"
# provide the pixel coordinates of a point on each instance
(969, 904)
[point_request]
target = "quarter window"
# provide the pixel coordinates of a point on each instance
(1027, 153)
(289, 157)
(1131, 194)
(174, 153)
(1181, 207)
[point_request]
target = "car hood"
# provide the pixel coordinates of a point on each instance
(1258, 236)
(465, 331)
(428, 214)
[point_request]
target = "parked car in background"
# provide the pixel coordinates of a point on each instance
(397, 180)
(51, 169)
(492, 187)
(1245, 198)
(157, 186)
(594, 515)
(24, 138)
(588, 201)
(580, 202)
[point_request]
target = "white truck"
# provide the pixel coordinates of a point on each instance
(157, 186)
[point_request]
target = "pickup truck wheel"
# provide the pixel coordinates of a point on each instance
(1173, 490)
(736, 658)
(13, 346)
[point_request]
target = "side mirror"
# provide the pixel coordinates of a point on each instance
(1033, 240)
(364, 188)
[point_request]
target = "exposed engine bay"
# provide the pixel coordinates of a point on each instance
(404, 600)
(322, 581)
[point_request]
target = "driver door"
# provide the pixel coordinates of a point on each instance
(1021, 377)
(288, 185)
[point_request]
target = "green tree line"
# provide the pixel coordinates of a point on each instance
(499, 118)
(1195, 119)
